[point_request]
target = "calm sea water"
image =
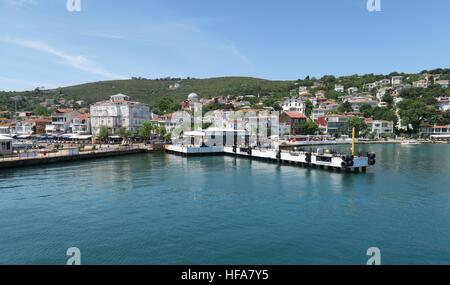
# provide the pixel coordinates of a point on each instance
(165, 209)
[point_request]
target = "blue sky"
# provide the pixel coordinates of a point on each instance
(42, 44)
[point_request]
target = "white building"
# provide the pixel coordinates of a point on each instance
(442, 83)
(382, 127)
(293, 105)
(352, 90)
(420, 84)
(381, 92)
(5, 145)
(443, 103)
(384, 82)
(370, 86)
(118, 112)
(61, 121)
(302, 89)
(317, 113)
(5, 129)
(81, 124)
(339, 88)
(396, 80)
(358, 101)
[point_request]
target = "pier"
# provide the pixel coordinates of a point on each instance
(194, 144)
(320, 159)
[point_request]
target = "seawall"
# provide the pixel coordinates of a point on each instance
(58, 159)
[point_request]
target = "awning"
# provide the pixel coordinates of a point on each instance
(194, 134)
(81, 137)
(24, 137)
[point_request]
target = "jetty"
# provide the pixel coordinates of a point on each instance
(321, 158)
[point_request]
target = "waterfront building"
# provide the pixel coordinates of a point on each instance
(293, 105)
(36, 126)
(5, 122)
(5, 145)
(61, 121)
(338, 124)
(435, 132)
(5, 129)
(382, 127)
(81, 124)
(292, 120)
(118, 112)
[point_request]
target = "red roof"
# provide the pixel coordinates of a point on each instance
(295, 115)
(322, 121)
(440, 127)
(83, 116)
(38, 120)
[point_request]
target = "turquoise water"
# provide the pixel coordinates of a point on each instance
(165, 209)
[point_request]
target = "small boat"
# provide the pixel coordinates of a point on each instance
(411, 142)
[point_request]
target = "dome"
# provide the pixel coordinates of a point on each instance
(193, 97)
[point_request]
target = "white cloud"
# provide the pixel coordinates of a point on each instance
(79, 62)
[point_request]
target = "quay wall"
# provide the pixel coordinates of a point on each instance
(57, 159)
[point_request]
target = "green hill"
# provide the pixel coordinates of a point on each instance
(148, 91)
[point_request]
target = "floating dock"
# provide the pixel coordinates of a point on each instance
(320, 159)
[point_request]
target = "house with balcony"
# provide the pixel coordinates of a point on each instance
(381, 127)
(435, 132)
(81, 124)
(61, 121)
(317, 113)
(338, 125)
